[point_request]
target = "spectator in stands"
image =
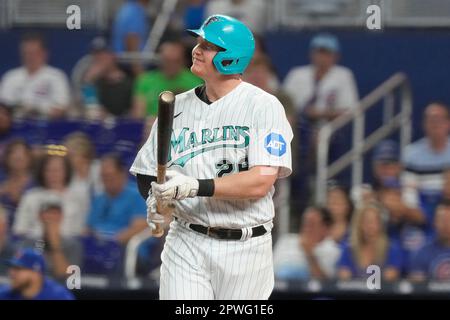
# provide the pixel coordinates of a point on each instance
(35, 89)
(172, 75)
(390, 196)
(86, 168)
(386, 165)
(433, 260)
(106, 90)
(426, 160)
(6, 122)
(369, 245)
(387, 169)
(131, 28)
(68, 208)
(17, 166)
(309, 254)
(341, 208)
(252, 12)
(119, 212)
(28, 281)
(3, 230)
(322, 90)
(446, 188)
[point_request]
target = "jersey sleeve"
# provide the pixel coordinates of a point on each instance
(145, 161)
(270, 137)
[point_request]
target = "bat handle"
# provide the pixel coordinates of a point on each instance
(159, 231)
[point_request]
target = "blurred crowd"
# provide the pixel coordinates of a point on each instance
(82, 209)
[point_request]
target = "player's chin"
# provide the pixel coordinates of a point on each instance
(197, 70)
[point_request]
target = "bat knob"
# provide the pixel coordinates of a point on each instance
(167, 97)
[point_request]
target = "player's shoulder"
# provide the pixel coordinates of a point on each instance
(186, 96)
(260, 98)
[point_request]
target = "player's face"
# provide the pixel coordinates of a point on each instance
(20, 278)
(202, 58)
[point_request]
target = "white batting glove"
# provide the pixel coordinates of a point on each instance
(153, 217)
(178, 187)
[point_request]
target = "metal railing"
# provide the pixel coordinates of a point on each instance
(131, 253)
(360, 143)
(148, 54)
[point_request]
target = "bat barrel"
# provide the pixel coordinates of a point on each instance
(166, 104)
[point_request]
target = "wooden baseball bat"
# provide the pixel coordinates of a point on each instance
(166, 103)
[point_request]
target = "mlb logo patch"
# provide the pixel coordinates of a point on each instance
(275, 144)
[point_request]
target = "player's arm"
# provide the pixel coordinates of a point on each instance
(252, 184)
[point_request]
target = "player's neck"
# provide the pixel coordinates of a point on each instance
(218, 88)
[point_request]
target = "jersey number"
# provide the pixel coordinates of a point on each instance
(226, 167)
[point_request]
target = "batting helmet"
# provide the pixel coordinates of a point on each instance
(231, 35)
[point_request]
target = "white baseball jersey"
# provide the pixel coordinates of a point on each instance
(245, 128)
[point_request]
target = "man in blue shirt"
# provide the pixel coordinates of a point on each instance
(28, 282)
(119, 212)
(131, 27)
(433, 260)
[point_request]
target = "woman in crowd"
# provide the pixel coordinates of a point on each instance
(86, 169)
(341, 207)
(52, 211)
(369, 245)
(17, 161)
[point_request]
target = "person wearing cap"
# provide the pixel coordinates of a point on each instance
(405, 221)
(105, 86)
(386, 165)
(387, 169)
(322, 90)
(28, 280)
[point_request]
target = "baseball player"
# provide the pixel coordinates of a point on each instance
(229, 144)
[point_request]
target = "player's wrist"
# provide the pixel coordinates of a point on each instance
(205, 187)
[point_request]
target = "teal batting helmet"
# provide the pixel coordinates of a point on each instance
(231, 35)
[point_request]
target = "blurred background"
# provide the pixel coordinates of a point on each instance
(371, 153)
